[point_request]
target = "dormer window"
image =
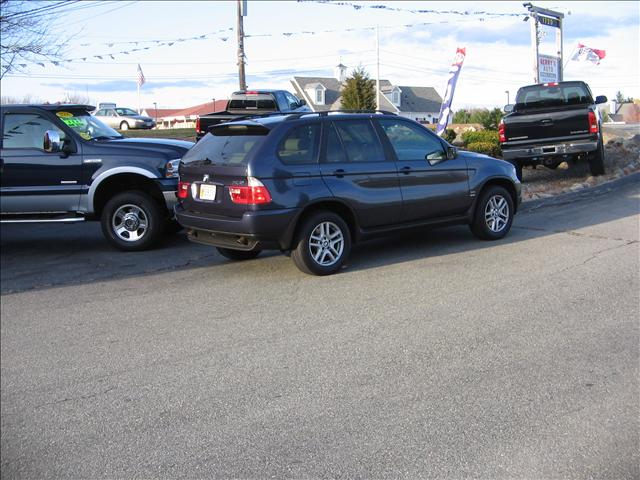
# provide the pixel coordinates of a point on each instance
(396, 96)
(316, 93)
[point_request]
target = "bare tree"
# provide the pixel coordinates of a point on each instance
(25, 36)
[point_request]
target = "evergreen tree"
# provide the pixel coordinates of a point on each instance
(359, 92)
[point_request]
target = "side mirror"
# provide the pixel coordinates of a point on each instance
(302, 103)
(452, 152)
(601, 99)
(508, 108)
(52, 142)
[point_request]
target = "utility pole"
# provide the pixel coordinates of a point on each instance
(378, 72)
(242, 11)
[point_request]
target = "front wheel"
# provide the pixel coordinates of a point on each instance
(596, 160)
(238, 255)
(132, 221)
(494, 214)
(322, 244)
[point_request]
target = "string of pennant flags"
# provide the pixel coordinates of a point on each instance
(223, 34)
(356, 6)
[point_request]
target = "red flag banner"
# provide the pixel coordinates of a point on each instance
(587, 54)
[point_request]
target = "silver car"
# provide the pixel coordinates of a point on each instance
(124, 118)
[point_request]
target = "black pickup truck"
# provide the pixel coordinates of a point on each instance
(61, 164)
(551, 123)
(251, 102)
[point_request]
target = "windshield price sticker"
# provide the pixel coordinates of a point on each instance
(64, 114)
(74, 122)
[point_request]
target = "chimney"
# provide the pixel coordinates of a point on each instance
(341, 72)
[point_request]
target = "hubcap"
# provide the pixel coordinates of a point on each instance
(496, 213)
(326, 244)
(129, 223)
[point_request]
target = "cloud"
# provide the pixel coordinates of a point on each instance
(128, 86)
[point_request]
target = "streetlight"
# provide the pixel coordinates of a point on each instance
(155, 105)
(507, 92)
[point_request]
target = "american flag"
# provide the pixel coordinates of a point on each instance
(141, 79)
(586, 54)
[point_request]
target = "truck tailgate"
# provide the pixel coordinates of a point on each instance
(532, 125)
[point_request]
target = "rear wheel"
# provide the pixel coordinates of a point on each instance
(124, 126)
(132, 221)
(494, 214)
(596, 160)
(238, 255)
(322, 245)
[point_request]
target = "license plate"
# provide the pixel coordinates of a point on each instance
(207, 192)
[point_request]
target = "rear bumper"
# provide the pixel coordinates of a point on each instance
(260, 230)
(549, 150)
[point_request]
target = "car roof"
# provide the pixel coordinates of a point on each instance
(52, 107)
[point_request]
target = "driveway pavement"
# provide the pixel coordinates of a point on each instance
(430, 355)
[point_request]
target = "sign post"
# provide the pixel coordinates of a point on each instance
(546, 68)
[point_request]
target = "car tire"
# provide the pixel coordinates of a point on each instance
(322, 244)
(238, 255)
(596, 160)
(132, 221)
(494, 214)
(124, 126)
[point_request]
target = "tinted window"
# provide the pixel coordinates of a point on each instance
(226, 145)
(26, 130)
(293, 101)
(411, 142)
(283, 104)
(300, 145)
(252, 105)
(335, 151)
(562, 94)
(360, 141)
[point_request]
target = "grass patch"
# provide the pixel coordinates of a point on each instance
(175, 133)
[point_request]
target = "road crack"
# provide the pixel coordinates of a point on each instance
(71, 399)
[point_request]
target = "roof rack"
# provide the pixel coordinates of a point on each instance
(294, 116)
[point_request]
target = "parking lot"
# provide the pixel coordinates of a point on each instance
(431, 355)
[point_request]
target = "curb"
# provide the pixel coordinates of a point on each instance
(569, 197)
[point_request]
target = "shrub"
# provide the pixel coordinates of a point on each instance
(488, 148)
(490, 136)
(449, 135)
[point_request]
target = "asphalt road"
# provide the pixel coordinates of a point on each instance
(430, 355)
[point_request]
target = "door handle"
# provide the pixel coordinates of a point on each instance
(406, 170)
(339, 173)
(547, 122)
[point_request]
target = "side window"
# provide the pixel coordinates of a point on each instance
(26, 130)
(283, 104)
(335, 150)
(411, 142)
(300, 146)
(110, 113)
(360, 141)
(293, 101)
(99, 113)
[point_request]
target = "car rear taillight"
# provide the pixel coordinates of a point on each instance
(183, 189)
(198, 124)
(501, 135)
(552, 84)
(593, 122)
(255, 193)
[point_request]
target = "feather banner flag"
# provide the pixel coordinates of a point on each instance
(445, 109)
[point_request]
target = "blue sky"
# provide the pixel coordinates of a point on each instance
(415, 49)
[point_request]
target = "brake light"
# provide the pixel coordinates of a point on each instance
(183, 189)
(255, 193)
(593, 122)
(252, 92)
(198, 124)
(501, 135)
(553, 84)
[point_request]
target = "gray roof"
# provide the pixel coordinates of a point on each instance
(414, 99)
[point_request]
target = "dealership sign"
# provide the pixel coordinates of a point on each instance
(548, 70)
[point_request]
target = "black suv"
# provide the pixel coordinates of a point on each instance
(60, 164)
(314, 183)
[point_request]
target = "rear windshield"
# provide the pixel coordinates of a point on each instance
(536, 96)
(252, 104)
(226, 145)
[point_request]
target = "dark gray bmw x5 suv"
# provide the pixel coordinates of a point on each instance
(313, 184)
